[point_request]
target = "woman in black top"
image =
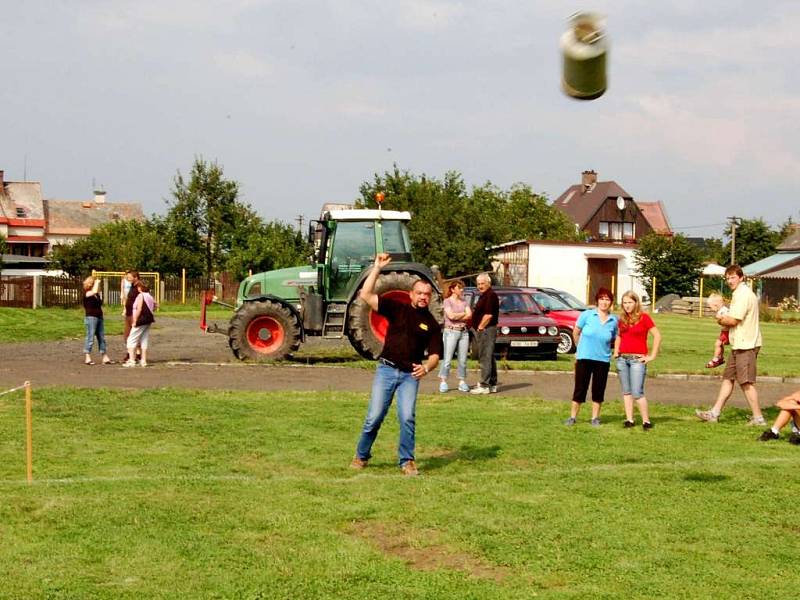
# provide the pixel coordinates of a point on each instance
(93, 309)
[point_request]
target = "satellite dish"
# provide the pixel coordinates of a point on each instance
(620, 203)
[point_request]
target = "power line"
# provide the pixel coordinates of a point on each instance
(700, 226)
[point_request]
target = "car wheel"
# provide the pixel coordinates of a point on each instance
(565, 345)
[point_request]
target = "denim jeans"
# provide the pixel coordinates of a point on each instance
(390, 382)
(453, 338)
(631, 372)
(94, 327)
(485, 340)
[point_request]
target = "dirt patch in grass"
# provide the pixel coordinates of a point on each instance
(422, 550)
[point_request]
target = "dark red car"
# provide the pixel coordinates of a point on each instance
(555, 305)
(522, 326)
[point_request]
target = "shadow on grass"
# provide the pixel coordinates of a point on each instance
(463, 454)
(704, 477)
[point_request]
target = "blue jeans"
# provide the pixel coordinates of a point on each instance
(631, 372)
(389, 382)
(453, 338)
(94, 327)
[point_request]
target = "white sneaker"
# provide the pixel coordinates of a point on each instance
(142, 364)
(478, 389)
(129, 363)
(493, 389)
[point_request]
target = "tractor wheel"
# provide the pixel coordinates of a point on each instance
(263, 330)
(366, 329)
(566, 345)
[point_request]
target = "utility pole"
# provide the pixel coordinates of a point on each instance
(734, 222)
(300, 219)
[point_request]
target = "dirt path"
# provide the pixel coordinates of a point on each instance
(183, 357)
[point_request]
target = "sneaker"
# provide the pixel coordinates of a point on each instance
(463, 386)
(142, 364)
(409, 469)
(479, 389)
(129, 363)
(443, 387)
(359, 464)
(756, 421)
(570, 422)
(493, 389)
(707, 415)
(595, 422)
(627, 424)
(794, 438)
(768, 435)
(795, 428)
(647, 426)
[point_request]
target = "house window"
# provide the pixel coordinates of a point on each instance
(21, 214)
(616, 230)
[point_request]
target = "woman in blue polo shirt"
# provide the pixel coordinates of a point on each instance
(594, 334)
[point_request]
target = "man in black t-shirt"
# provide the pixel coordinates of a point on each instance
(484, 322)
(412, 331)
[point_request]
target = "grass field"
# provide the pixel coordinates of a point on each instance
(166, 494)
(688, 341)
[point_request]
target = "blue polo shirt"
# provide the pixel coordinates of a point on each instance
(597, 339)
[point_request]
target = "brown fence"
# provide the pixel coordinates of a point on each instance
(172, 292)
(64, 292)
(16, 291)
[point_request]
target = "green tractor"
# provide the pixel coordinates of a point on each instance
(275, 311)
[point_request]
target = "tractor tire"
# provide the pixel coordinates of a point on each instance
(566, 345)
(366, 329)
(264, 330)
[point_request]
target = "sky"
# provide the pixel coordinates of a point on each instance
(303, 101)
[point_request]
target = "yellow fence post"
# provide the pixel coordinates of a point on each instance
(701, 296)
(614, 285)
(588, 288)
(183, 286)
(29, 431)
(653, 299)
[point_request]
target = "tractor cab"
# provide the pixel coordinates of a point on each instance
(346, 241)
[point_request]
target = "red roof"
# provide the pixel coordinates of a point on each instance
(656, 215)
(33, 239)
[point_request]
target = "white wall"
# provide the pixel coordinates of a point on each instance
(565, 266)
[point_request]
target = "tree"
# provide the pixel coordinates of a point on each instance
(674, 262)
(453, 229)
(260, 246)
(754, 240)
(144, 245)
(204, 210)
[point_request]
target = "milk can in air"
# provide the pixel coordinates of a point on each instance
(585, 49)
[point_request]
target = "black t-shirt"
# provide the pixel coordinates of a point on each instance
(411, 331)
(134, 291)
(92, 306)
(487, 304)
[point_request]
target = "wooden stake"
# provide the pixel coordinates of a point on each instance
(29, 430)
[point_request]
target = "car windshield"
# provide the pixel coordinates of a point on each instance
(549, 302)
(517, 303)
(571, 301)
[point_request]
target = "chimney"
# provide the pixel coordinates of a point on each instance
(99, 196)
(588, 179)
(1, 179)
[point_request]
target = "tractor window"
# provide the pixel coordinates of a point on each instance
(395, 239)
(354, 243)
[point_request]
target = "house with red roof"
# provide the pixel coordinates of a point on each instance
(613, 222)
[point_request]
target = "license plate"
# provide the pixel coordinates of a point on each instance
(521, 344)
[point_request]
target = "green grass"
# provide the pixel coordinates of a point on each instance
(42, 324)
(688, 342)
(167, 494)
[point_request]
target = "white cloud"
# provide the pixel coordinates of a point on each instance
(244, 65)
(429, 14)
(203, 14)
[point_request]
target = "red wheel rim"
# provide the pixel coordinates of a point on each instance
(378, 323)
(265, 334)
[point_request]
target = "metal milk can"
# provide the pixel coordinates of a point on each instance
(585, 49)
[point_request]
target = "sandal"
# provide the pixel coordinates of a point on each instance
(715, 362)
(88, 362)
(108, 362)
